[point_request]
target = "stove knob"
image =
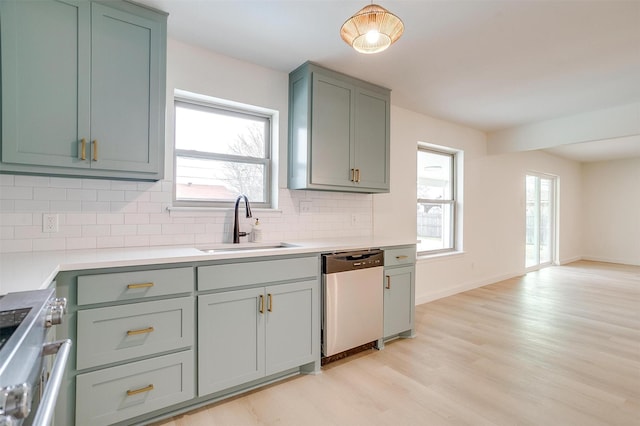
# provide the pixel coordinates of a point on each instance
(55, 311)
(54, 316)
(61, 302)
(15, 401)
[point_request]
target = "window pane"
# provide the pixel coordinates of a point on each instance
(545, 220)
(220, 132)
(216, 180)
(435, 225)
(531, 222)
(435, 176)
(220, 153)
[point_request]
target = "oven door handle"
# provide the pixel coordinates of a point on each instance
(44, 413)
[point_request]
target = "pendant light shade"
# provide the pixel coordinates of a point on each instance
(372, 29)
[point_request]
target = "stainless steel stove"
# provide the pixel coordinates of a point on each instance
(28, 388)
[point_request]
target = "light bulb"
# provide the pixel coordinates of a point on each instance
(372, 36)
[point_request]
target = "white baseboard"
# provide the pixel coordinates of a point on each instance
(430, 297)
(569, 260)
(611, 260)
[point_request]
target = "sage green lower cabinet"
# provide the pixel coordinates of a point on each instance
(230, 339)
(151, 341)
(119, 393)
(399, 292)
(289, 325)
(398, 300)
(133, 333)
(117, 333)
(245, 335)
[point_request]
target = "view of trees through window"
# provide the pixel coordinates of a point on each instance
(436, 202)
(220, 154)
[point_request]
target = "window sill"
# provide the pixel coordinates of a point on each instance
(187, 211)
(439, 256)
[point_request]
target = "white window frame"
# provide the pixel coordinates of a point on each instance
(452, 202)
(221, 106)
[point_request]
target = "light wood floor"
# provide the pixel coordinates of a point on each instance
(560, 346)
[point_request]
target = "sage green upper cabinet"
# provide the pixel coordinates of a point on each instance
(338, 132)
(126, 108)
(83, 89)
(45, 82)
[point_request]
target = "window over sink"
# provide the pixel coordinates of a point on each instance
(222, 149)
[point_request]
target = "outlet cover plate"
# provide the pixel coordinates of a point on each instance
(50, 222)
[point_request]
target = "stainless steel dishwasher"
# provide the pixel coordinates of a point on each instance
(352, 295)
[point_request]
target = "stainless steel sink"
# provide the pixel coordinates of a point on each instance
(219, 248)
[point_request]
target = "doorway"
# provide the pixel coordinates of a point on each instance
(540, 220)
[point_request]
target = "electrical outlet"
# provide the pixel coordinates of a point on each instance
(305, 207)
(50, 222)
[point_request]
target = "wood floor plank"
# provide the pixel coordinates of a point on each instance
(560, 346)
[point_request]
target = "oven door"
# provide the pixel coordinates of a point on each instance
(44, 398)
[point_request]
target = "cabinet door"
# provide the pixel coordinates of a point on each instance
(230, 339)
(291, 325)
(125, 66)
(45, 81)
(398, 300)
(331, 131)
(372, 139)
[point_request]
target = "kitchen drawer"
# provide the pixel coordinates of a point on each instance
(256, 273)
(115, 394)
(400, 256)
(121, 286)
(118, 333)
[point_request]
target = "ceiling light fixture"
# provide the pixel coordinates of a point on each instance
(372, 29)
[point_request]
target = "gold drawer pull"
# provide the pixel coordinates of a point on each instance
(388, 286)
(140, 331)
(141, 285)
(261, 304)
(95, 150)
(141, 390)
(353, 175)
(83, 149)
(270, 305)
(401, 257)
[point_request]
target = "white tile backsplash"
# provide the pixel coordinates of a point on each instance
(95, 213)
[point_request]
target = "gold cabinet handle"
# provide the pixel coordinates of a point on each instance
(401, 257)
(357, 175)
(140, 331)
(388, 286)
(270, 303)
(95, 149)
(83, 149)
(261, 304)
(140, 285)
(353, 175)
(141, 390)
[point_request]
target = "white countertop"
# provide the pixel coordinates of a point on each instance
(36, 270)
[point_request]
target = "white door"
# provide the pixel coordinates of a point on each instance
(541, 213)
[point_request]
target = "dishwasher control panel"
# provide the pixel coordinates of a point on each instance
(352, 260)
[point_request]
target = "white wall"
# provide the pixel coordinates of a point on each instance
(611, 211)
(110, 214)
(493, 205)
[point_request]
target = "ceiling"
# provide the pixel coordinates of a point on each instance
(486, 64)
